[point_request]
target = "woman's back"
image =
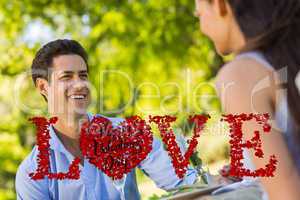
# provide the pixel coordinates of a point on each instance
(283, 116)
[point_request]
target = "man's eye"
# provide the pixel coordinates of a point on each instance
(85, 76)
(65, 77)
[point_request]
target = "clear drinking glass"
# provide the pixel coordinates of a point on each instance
(120, 186)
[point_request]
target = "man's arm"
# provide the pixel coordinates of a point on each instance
(159, 168)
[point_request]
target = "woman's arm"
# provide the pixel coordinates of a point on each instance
(245, 86)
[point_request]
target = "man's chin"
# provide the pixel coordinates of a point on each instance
(80, 112)
(77, 111)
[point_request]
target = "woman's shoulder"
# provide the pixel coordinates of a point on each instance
(244, 68)
(247, 71)
(245, 79)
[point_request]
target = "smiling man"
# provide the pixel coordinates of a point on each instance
(60, 73)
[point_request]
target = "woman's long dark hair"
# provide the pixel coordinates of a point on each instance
(273, 28)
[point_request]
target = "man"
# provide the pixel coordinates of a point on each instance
(60, 73)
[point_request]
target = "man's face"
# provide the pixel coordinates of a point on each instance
(68, 92)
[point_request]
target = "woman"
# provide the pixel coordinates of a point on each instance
(264, 36)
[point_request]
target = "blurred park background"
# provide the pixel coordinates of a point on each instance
(145, 56)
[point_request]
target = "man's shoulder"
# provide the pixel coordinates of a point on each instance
(29, 164)
(27, 188)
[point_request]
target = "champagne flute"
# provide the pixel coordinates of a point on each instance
(120, 185)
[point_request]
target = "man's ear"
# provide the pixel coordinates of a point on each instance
(222, 7)
(42, 85)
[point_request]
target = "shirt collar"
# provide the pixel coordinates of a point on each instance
(55, 143)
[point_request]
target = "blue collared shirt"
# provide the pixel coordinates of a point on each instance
(93, 184)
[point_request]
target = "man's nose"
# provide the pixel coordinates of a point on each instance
(78, 83)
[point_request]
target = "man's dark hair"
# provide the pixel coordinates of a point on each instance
(44, 57)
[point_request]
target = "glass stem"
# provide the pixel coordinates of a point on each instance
(122, 191)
